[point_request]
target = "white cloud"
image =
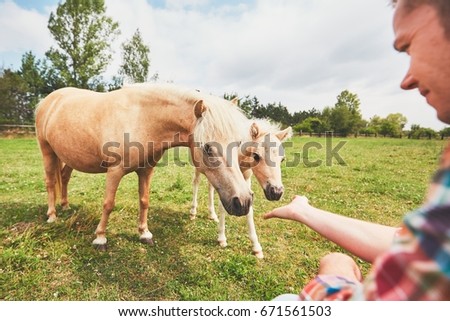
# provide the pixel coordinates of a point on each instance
(22, 30)
(299, 53)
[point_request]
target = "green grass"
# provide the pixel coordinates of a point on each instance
(382, 180)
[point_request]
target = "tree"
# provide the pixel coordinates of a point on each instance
(32, 73)
(300, 116)
(398, 122)
(345, 118)
(14, 98)
(84, 35)
(418, 132)
(374, 126)
(445, 132)
(325, 118)
(388, 128)
(393, 125)
(278, 113)
(412, 133)
(309, 125)
(245, 104)
(135, 59)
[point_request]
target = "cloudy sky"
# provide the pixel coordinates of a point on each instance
(301, 53)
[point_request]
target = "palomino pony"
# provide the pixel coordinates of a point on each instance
(262, 156)
(128, 130)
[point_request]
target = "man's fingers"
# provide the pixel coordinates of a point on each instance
(268, 215)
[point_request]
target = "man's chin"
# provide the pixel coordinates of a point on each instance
(444, 115)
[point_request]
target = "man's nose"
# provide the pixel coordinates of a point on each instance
(408, 82)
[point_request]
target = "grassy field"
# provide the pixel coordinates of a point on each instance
(382, 179)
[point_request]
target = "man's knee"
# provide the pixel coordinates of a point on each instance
(335, 258)
(340, 264)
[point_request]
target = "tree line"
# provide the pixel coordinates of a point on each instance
(343, 119)
(84, 35)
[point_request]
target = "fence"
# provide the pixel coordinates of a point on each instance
(12, 130)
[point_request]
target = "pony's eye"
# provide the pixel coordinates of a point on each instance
(207, 149)
(256, 157)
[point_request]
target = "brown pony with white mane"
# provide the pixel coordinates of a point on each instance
(128, 130)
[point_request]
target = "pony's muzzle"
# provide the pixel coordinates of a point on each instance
(238, 206)
(273, 193)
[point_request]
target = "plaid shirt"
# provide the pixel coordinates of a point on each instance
(416, 267)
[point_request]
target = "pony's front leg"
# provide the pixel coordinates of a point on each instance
(65, 177)
(195, 184)
(145, 176)
(222, 239)
(211, 209)
(112, 183)
(257, 249)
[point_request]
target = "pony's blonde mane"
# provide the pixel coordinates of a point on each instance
(222, 121)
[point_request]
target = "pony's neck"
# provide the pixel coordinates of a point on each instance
(172, 119)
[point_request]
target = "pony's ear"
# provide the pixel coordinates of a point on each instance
(199, 108)
(284, 134)
(254, 131)
(235, 101)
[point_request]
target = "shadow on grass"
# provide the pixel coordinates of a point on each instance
(60, 256)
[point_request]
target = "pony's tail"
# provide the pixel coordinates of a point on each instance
(58, 185)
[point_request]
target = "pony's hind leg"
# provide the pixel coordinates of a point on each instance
(195, 184)
(112, 183)
(65, 177)
(52, 179)
(145, 175)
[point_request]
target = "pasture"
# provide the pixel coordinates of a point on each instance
(382, 180)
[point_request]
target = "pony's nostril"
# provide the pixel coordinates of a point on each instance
(273, 190)
(236, 203)
(241, 206)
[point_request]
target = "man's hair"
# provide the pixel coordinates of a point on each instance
(442, 7)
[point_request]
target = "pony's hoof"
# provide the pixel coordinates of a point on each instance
(100, 247)
(147, 241)
(146, 238)
(65, 207)
(259, 254)
(223, 243)
(100, 243)
(51, 219)
(214, 218)
(192, 217)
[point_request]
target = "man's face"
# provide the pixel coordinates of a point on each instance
(420, 34)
